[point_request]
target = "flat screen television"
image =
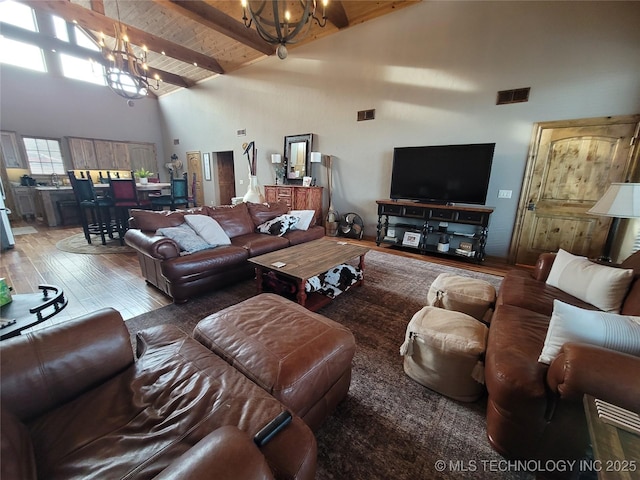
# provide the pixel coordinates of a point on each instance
(442, 173)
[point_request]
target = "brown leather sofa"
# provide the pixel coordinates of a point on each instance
(75, 404)
(535, 411)
(184, 276)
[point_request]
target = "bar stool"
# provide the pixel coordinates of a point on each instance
(124, 195)
(98, 207)
(179, 195)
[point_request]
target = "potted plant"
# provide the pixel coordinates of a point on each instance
(143, 174)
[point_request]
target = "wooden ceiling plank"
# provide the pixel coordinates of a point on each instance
(337, 15)
(213, 18)
(97, 6)
(95, 21)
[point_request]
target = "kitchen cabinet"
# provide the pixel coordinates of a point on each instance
(11, 151)
(25, 201)
(83, 154)
(96, 154)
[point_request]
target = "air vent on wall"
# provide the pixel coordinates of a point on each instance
(366, 114)
(517, 95)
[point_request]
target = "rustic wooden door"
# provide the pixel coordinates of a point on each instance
(226, 177)
(571, 164)
(194, 166)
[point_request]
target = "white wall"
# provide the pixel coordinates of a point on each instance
(38, 104)
(431, 71)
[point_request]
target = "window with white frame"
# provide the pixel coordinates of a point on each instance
(26, 55)
(14, 52)
(44, 156)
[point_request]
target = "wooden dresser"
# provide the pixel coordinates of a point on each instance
(297, 198)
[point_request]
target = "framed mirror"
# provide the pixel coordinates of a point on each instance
(297, 153)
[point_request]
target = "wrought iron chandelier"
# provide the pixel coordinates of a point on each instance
(282, 22)
(127, 74)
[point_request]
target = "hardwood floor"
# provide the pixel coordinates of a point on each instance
(91, 282)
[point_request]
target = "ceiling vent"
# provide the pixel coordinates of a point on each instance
(517, 95)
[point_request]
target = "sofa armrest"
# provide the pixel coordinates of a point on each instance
(51, 366)
(603, 373)
(155, 246)
(227, 452)
(543, 266)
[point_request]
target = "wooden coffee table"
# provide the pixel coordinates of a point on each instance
(307, 260)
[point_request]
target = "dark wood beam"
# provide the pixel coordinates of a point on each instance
(47, 42)
(94, 21)
(336, 14)
(214, 19)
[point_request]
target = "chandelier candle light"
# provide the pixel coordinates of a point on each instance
(127, 74)
(277, 23)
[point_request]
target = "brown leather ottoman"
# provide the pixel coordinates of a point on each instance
(300, 357)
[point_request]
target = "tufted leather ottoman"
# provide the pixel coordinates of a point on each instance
(300, 357)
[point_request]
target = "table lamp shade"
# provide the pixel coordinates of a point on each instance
(316, 157)
(276, 158)
(621, 200)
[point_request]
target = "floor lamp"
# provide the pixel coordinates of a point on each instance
(621, 200)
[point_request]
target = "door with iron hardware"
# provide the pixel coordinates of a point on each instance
(571, 164)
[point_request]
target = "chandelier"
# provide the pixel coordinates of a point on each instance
(127, 74)
(282, 22)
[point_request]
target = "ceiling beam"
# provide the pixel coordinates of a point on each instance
(47, 42)
(95, 21)
(214, 19)
(337, 15)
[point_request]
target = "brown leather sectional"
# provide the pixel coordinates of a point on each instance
(184, 276)
(535, 411)
(75, 404)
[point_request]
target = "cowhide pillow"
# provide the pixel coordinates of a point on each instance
(279, 225)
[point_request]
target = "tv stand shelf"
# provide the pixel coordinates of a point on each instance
(462, 223)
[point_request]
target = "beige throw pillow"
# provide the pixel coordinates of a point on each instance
(305, 217)
(573, 324)
(601, 286)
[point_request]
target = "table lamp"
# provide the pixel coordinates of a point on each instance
(621, 200)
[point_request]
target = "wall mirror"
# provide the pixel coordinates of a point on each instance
(297, 153)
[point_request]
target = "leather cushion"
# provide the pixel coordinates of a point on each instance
(203, 264)
(259, 243)
(520, 289)
(234, 219)
(152, 221)
(263, 212)
(294, 354)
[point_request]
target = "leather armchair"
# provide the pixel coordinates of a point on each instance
(77, 404)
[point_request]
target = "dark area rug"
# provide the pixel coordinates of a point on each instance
(388, 427)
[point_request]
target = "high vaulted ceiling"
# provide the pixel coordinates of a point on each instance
(191, 40)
